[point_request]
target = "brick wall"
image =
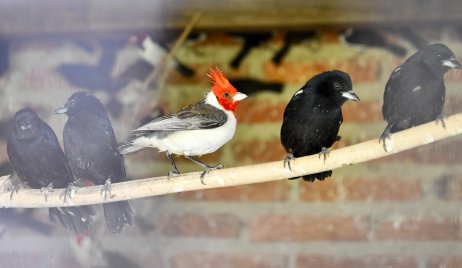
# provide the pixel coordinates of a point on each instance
(400, 211)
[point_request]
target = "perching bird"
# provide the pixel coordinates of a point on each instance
(196, 130)
(313, 117)
(39, 161)
(415, 91)
(91, 149)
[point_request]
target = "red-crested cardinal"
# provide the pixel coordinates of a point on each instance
(198, 129)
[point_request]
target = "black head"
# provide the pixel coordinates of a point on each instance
(81, 101)
(439, 58)
(26, 124)
(335, 85)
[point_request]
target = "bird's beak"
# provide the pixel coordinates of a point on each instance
(350, 95)
(451, 63)
(239, 96)
(61, 110)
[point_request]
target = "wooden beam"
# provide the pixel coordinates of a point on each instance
(18, 17)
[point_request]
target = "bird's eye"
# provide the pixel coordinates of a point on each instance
(439, 56)
(336, 86)
(226, 95)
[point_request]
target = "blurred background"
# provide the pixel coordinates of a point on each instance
(400, 211)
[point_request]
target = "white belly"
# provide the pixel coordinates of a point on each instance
(193, 142)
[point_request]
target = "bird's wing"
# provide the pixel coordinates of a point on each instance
(198, 116)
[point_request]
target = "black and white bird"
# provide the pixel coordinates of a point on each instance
(199, 129)
(37, 158)
(313, 117)
(415, 92)
(91, 149)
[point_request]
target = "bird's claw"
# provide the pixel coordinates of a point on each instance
(324, 152)
(207, 170)
(47, 190)
(385, 135)
(173, 173)
(16, 189)
(68, 192)
(106, 189)
(441, 118)
(289, 157)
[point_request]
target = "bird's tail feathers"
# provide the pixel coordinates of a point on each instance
(317, 176)
(78, 220)
(117, 214)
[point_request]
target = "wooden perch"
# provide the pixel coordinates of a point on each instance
(350, 155)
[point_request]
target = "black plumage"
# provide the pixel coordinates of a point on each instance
(91, 149)
(415, 91)
(313, 117)
(37, 158)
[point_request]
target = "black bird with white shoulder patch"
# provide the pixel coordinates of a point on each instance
(38, 160)
(313, 117)
(91, 149)
(415, 92)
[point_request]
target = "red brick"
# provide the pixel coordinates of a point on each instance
(441, 152)
(260, 111)
(259, 151)
(261, 192)
(419, 228)
(226, 260)
(368, 261)
(360, 70)
(444, 262)
(361, 112)
(326, 190)
(195, 225)
(382, 189)
(303, 228)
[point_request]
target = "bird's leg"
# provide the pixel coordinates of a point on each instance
(68, 192)
(106, 188)
(441, 118)
(290, 157)
(47, 190)
(16, 188)
(175, 170)
(324, 152)
(385, 135)
(204, 166)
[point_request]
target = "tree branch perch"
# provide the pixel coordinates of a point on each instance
(350, 155)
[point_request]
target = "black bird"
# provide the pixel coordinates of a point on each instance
(373, 38)
(39, 161)
(415, 91)
(253, 86)
(91, 149)
(251, 41)
(313, 117)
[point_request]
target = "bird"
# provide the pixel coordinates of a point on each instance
(91, 149)
(38, 160)
(415, 92)
(198, 129)
(313, 117)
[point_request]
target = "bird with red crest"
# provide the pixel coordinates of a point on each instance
(198, 129)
